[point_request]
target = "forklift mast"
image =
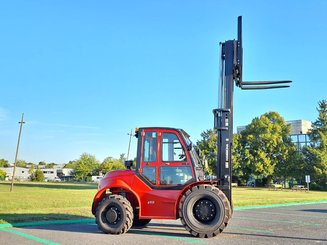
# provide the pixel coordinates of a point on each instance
(231, 64)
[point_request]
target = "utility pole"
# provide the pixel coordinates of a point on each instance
(20, 132)
(129, 145)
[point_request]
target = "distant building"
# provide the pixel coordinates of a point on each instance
(300, 126)
(49, 173)
(20, 173)
(299, 132)
(65, 174)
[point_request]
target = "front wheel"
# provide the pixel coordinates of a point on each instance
(114, 215)
(204, 211)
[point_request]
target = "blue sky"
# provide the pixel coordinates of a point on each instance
(86, 72)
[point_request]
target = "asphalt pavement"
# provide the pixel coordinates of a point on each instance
(290, 224)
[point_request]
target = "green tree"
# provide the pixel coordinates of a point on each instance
(316, 155)
(86, 165)
(21, 163)
(37, 175)
(2, 174)
(42, 163)
(4, 163)
(208, 149)
(110, 164)
(71, 164)
(240, 171)
(32, 165)
(50, 165)
(265, 147)
(319, 127)
(32, 169)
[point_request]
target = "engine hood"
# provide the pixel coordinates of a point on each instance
(116, 174)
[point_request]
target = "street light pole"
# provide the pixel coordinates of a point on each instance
(129, 144)
(14, 171)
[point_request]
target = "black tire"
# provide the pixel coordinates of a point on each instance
(204, 211)
(114, 215)
(139, 223)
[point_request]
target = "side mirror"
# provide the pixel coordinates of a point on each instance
(129, 164)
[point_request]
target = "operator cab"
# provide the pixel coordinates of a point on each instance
(166, 158)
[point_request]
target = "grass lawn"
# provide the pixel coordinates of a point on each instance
(263, 196)
(60, 201)
(45, 201)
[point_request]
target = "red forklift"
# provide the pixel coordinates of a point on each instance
(168, 181)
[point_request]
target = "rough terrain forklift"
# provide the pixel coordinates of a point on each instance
(168, 180)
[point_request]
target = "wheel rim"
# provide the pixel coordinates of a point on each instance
(113, 214)
(204, 210)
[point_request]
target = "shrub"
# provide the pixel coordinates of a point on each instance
(2, 174)
(318, 186)
(37, 176)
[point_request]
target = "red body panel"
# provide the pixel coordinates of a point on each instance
(153, 203)
(156, 203)
(126, 176)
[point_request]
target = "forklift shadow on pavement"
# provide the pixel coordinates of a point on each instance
(161, 229)
(88, 226)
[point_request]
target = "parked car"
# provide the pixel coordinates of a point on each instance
(57, 179)
(251, 183)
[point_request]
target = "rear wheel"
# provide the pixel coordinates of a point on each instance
(204, 211)
(114, 215)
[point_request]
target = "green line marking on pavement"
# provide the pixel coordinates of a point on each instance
(279, 205)
(34, 238)
(249, 229)
(286, 214)
(4, 226)
(49, 222)
(278, 221)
